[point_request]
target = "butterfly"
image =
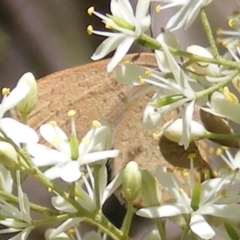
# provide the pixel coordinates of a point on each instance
(95, 94)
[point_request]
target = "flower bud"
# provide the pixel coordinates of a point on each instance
(202, 68)
(150, 192)
(132, 181)
(61, 236)
(175, 131)
(26, 105)
(8, 156)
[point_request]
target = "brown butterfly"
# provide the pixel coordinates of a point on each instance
(94, 94)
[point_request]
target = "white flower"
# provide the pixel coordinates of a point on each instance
(122, 37)
(224, 105)
(6, 180)
(201, 68)
(175, 131)
(87, 197)
(186, 15)
(93, 147)
(172, 94)
(16, 220)
(18, 132)
(215, 197)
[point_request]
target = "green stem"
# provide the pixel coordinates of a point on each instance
(161, 228)
(127, 220)
(186, 230)
(37, 208)
(221, 136)
(72, 190)
(208, 31)
(96, 170)
(216, 86)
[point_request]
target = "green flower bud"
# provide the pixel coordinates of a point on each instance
(8, 156)
(150, 191)
(132, 181)
(26, 105)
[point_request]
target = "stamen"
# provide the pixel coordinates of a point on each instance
(90, 11)
(71, 113)
(5, 91)
(89, 30)
(96, 124)
(53, 123)
(158, 8)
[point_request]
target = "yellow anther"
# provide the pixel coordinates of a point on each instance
(71, 113)
(5, 91)
(230, 22)
(53, 123)
(108, 25)
(230, 96)
(96, 124)
(148, 73)
(219, 151)
(225, 43)
(191, 156)
(49, 189)
(185, 174)
(90, 10)
(89, 30)
(127, 62)
(155, 136)
(215, 173)
(169, 170)
(158, 8)
(181, 191)
(141, 80)
(70, 232)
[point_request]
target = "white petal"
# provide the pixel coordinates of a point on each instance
(15, 96)
(71, 172)
(44, 156)
(18, 132)
(151, 117)
(22, 235)
(163, 211)
(54, 172)
(120, 53)
(96, 156)
(71, 222)
(142, 9)
(56, 137)
(62, 205)
(108, 45)
(200, 227)
(128, 74)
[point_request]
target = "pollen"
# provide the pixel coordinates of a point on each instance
(90, 11)
(5, 91)
(89, 30)
(96, 124)
(219, 151)
(141, 80)
(50, 189)
(71, 113)
(191, 156)
(224, 193)
(181, 191)
(108, 25)
(70, 232)
(169, 170)
(155, 136)
(158, 8)
(230, 22)
(148, 73)
(53, 123)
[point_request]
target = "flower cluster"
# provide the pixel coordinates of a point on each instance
(191, 102)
